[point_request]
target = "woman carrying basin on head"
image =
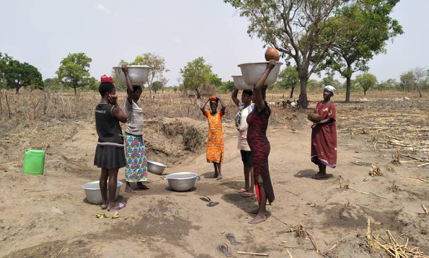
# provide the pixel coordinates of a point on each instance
(245, 107)
(136, 170)
(324, 135)
(215, 145)
(260, 146)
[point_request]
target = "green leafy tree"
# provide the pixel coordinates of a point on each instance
(368, 26)
(296, 28)
(197, 75)
(4, 60)
(20, 75)
(366, 81)
(74, 71)
(414, 79)
(288, 79)
(216, 81)
(156, 86)
(156, 64)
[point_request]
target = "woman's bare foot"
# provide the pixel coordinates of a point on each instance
(104, 206)
(219, 177)
(258, 219)
(128, 189)
(255, 211)
(141, 186)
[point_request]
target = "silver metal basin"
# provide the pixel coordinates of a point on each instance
(239, 83)
(182, 181)
(252, 72)
(93, 193)
(155, 167)
(138, 74)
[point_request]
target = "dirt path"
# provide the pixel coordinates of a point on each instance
(47, 216)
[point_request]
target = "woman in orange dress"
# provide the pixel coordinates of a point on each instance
(215, 150)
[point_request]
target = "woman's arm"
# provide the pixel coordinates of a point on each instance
(117, 111)
(257, 92)
(234, 97)
(203, 107)
(223, 107)
(130, 89)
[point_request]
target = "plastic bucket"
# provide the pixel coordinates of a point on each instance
(34, 162)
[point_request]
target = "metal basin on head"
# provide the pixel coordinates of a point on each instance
(252, 72)
(138, 74)
(239, 83)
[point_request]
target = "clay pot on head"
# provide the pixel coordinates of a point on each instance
(272, 53)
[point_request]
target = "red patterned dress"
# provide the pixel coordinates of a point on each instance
(260, 146)
(324, 137)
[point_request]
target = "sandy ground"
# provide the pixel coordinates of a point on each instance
(48, 216)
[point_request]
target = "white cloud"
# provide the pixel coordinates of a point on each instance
(178, 41)
(102, 8)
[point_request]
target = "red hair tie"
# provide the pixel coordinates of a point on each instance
(106, 78)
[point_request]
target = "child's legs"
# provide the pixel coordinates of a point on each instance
(215, 168)
(219, 168)
(103, 184)
(113, 181)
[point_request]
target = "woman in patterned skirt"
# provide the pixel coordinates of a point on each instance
(136, 170)
(260, 146)
(215, 150)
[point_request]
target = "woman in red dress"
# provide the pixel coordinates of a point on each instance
(260, 146)
(324, 135)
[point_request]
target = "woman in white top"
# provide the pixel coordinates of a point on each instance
(245, 107)
(136, 170)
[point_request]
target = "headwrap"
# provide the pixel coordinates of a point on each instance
(331, 89)
(213, 98)
(106, 78)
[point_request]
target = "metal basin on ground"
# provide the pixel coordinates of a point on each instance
(93, 193)
(155, 167)
(252, 72)
(182, 181)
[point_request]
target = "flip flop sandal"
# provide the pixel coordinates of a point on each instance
(223, 248)
(120, 207)
(206, 199)
(242, 190)
(231, 239)
(212, 204)
(104, 206)
(248, 195)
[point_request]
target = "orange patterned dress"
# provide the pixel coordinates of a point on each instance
(215, 149)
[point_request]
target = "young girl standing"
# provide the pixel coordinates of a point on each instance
(215, 150)
(109, 154)
(136, 170)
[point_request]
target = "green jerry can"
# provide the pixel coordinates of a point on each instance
(34, 162)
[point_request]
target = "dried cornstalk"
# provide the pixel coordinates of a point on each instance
(375, 171)
(395, 188)
(396, 157)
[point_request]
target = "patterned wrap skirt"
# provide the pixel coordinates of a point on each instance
(136, 170)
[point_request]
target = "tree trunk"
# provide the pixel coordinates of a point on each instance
(418, 89)
(291, 92)
(348, 88)
(75, 92)
(364, 92)
(303, 101)
(198, 93)
(17, 90)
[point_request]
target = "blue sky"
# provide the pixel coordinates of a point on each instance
(45, 31)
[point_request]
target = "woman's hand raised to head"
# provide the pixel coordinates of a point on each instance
(124, 68)
(271, 64)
